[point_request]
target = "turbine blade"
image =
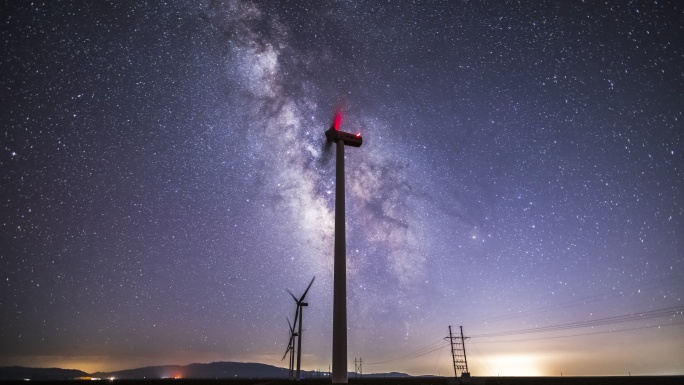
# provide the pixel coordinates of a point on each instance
(289, 345)
(307, 289)
(294, 325)
(326, 152)
(293, 296)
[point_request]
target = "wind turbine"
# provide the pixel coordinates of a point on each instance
(339, 344)
(298, 314)
(291, 347)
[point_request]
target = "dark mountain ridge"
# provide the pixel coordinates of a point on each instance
(212, 370)
(217, 370)
(18, 373)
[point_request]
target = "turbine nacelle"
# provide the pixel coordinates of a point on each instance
(334, 134)
(354, 140)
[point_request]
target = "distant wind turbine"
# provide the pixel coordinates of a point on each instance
(291, 346)
(298, 318)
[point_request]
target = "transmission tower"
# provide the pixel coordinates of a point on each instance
(458, 353)
(358, 367)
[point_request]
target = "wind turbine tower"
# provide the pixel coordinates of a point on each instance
(339, 344)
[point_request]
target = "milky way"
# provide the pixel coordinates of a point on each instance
(165, 179)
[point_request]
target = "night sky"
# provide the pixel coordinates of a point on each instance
(163, 182)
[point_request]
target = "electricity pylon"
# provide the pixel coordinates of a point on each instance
(458, 353)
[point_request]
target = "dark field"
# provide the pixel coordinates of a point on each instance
(633, 380)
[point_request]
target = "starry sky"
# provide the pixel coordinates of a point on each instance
(164, 181)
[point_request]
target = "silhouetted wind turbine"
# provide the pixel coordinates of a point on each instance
(300, 305)
(290, 347)
(339, 342)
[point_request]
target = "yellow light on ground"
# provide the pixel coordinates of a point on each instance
(515, 365)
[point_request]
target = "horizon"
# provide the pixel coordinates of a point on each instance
(629, 374)
(166, 180)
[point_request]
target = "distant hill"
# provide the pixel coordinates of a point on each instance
(213, 370)
(222, 370)
(382, 375)
(18, 373)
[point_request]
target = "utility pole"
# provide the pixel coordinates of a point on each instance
(458, 353)
(358, 367)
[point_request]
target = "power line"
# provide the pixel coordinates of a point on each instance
(485, 365)
(413, 354)
(582, 334)
(439, 358)
(597, 322)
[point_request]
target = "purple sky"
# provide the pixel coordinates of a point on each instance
(163, 182)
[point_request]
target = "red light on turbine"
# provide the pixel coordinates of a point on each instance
(335, 135)
(338, 121)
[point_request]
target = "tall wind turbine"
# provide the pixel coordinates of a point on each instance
(339, 348)
(300, 306)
